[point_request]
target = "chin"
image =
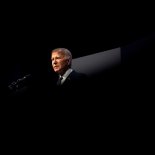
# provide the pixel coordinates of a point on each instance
(57, 71)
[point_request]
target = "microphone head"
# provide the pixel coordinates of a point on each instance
(19, 83)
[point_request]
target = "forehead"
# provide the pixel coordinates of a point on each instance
(58, 53)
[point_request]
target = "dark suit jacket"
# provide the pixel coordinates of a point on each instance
(73, 79)
(73, 86)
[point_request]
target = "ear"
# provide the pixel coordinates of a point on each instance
(68, 61)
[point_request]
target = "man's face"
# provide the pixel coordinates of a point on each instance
(59, 62)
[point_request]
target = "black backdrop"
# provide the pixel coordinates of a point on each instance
(29, 32)
(29, 53)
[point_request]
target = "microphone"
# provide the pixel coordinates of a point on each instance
(19, 82)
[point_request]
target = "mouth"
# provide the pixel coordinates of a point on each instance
(55, 67)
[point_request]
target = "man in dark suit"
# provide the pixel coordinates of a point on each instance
(69, 81)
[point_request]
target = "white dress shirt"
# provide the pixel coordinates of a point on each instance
(66, 74)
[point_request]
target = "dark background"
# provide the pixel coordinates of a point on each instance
(119, 106)
(26, 53)
(29, 32)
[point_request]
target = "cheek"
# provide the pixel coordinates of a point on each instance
(61, 63)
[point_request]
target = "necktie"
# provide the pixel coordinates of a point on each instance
(59, 81)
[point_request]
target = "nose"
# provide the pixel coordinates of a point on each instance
(54, 61)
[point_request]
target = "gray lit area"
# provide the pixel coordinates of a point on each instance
(98, 62)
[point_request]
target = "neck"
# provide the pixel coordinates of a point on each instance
(63, 72)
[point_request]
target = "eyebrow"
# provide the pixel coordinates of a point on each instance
(56, 57)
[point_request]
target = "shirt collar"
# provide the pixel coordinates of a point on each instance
(66, 74)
